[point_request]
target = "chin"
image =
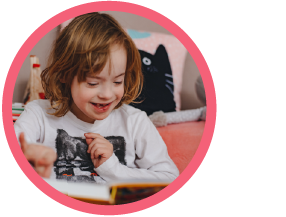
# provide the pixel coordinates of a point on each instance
(101, 117)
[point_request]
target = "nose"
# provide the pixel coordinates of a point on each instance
(105, 92)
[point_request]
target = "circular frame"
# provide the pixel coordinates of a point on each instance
(128, 8)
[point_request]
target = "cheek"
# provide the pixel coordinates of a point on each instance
(79, 94)
(121, 92)
(85, 94)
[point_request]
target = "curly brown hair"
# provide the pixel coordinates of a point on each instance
(84, 47)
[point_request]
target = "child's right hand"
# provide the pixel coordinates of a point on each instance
(40, 156)
(100, 149)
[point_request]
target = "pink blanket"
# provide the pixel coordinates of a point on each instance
(182, 141)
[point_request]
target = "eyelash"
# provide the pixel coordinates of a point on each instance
(94, 84)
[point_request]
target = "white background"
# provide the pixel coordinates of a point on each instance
(244, 44)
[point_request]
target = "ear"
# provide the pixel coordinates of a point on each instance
(162, 58)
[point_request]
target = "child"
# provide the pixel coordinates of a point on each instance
(86, 131)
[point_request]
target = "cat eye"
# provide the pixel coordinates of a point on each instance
(146, 61)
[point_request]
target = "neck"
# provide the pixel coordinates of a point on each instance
(80, 115)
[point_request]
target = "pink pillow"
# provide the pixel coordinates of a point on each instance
(149, 42)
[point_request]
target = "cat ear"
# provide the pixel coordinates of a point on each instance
(162, 58)
(143, 53)
(62, 132)
(161, 50)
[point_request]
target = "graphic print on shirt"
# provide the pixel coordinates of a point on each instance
(158, 88)
(74, 163)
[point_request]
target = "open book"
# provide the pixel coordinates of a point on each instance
(114, 193)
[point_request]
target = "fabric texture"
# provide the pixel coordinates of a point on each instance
(161, 119)
(182, 141)
(139, 151)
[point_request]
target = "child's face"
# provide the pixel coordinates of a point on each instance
(95, 98)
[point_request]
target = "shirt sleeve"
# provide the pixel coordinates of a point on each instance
(30, 123)
(152, 158)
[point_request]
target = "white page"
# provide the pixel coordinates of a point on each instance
(81, 190)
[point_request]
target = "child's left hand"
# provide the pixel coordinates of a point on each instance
(99, 148)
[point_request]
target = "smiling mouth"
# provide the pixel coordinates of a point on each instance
(100, 105)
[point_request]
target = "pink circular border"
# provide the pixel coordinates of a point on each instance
(128, 8)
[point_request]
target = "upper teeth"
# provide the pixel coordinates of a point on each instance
(100, 105)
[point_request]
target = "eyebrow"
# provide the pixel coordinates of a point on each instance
(120, 75)
(97, 77)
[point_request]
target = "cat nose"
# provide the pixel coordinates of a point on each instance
(152, 69)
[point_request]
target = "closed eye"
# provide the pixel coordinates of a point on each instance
(119, 82)
(92, 84)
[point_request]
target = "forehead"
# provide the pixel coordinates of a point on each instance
(117, 57)
(115, 64)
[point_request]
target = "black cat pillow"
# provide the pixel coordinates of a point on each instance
(158, 88)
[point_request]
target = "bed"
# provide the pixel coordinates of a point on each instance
(182, 141)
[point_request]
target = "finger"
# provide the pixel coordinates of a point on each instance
(47, 158)
(94, 141)
(95, 162)
(92, 135)
(44, 171)
(88, 141)
(93, 148)
(40, 154)
(25, 148)
(39, 169)
(90, 147)
(97, 154)
(47, 172)
(45, 163)
(92, 154)
(32, 152)
(96, 151)
(23, 142)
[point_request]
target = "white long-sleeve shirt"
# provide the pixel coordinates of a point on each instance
(139, 150)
